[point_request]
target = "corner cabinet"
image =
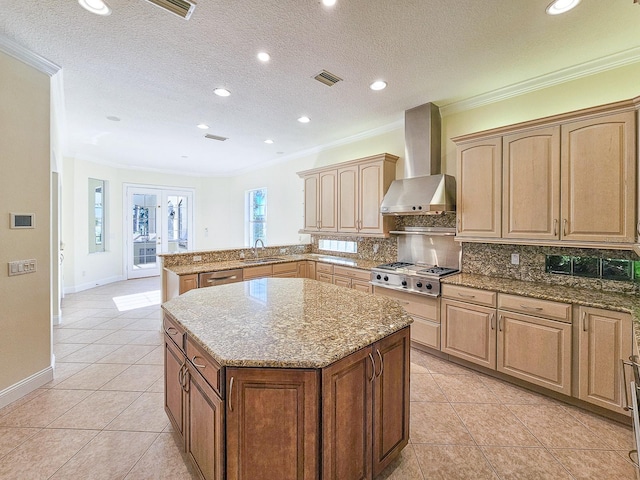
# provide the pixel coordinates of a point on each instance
(567, 180)
(346, 197)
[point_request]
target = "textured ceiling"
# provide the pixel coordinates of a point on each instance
(157, 71)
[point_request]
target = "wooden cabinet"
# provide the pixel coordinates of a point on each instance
(425, 311)
(534, 341)
(320, 201)
(369, 390)
(261, 271)
(174, 284)
(598, 179)
(174, 399)
(604, 338)
(479, 187)
(285, 270)
(565, 180)
(531, 184)
(307, 269)
(352, 278)
(345, 198)
(272, 424)
(324, 272)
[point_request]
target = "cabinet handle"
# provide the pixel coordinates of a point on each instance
(230, 392)
(381, 362)
(373, 366)
(564, 227)
(193, 360)
(492, 321)
(555, 227)
(527, 307)
(584, 321)
(463, 295)
(180, 376)
(500, 323)
(635, 462)
(171, 331)
(623, 378)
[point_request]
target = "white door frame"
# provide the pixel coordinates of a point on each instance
(163, 192)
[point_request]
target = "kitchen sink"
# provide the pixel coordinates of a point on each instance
(262, 260)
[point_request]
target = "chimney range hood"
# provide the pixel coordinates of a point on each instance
(425, 190)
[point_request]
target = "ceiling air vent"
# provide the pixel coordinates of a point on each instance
(327, 78)
(215, 137)
(182, 8)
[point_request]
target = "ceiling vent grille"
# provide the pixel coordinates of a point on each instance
(182, 8)
(215, 137)
(327, 78)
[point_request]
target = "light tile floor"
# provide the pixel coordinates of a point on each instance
(102, 416)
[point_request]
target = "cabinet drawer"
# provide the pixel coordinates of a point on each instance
(324, 277)
(206, 365)
(257, 272)
(467, 294)
(324, 268)
(425, 307)
(352, 273)
(174, 331)
(425, 332)
(533, 306)
(281, 268)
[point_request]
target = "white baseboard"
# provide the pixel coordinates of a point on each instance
(95, 283)
(28, 385)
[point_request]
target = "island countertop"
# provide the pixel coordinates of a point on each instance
(284, 322)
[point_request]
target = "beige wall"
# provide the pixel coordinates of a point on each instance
(25, 343)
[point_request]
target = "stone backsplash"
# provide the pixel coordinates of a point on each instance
(495, 260)
(211, 256)
(442, 220)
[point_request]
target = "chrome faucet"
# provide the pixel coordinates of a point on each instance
(255, 247)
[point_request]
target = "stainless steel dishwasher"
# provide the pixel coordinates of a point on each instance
(210, 279)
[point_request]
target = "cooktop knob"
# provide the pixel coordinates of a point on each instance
(419, 284)
(386, 279)
(404, 283)
(378, 277)
(429, 286)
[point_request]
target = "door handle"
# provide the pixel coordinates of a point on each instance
(584, 321)
(500, 323)
(564, 227)
(555, 227)
(492, 321)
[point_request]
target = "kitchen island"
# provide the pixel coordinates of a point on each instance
(287, 378)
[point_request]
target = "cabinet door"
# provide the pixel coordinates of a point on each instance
(348, 215)
(468, 332)
(347, 409)
(531, 184)
(362, 286)
(605, 338)
(272, 410)
(391, 399)
(479, 187)
(342, 282)
(205, 432)
(311, 195)
(599, 179)
(311, 272)
(188, 282)
(536, 350)
(174, 361)
(371, 192)
(303, 270)
(328, 201)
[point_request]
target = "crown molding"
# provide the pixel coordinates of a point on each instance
(602, 64)
(25, 55)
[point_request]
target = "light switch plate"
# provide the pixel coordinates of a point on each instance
(515, 259)
(20, 267)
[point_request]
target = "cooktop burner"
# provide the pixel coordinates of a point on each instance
(439, 271)
(395, 265)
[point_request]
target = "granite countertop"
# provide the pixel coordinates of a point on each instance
(591, 298)
(233, 264)
(284, 322)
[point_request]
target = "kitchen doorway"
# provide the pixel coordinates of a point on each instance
(157, 220)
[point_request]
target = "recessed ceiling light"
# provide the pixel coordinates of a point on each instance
(99, 7)
(378, 85)
(264, 57)
(269, 141)
(113, 118)
(222, 92)
(328, 3)
(203, 126)
(185, 156)
(560, 6)
(304, 119)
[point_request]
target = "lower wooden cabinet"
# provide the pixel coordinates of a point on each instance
(174, 399)
(307, 269)
(604, 338)
(352, 278)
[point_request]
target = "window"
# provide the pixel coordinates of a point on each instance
(97, 201)
(256, 202)
(338, 246)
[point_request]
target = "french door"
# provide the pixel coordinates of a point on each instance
(157, 220)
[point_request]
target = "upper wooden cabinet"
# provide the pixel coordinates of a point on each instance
(346, 198)
(564, 180)
(478, 188)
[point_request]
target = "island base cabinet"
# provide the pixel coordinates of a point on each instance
(204, 441)
(605, 338)
(272, 424)
(174, 398)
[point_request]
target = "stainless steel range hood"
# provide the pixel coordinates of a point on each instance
(424, 190)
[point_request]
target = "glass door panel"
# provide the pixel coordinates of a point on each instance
(145, 243)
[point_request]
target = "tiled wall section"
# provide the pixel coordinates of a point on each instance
(180, 259)
(495, 260)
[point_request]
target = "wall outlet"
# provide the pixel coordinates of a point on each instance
(241, 255)
(197, 258)
(515, 259)
(375, 248)
(206, 231)
(283, 250)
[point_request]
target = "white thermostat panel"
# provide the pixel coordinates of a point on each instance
(23, 220)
